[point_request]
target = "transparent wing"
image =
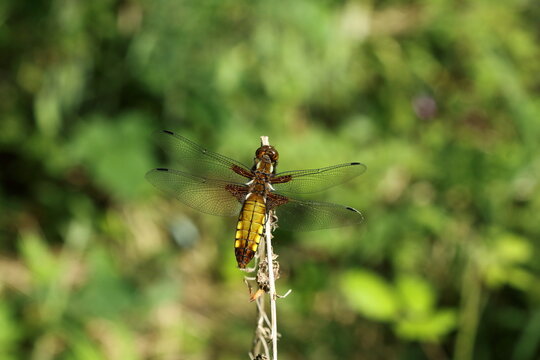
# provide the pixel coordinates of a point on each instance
(299, 215)
(209, 196)
(199, 161)
(313, 180)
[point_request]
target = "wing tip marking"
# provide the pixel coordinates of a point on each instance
(361, 217)
(362, 167)
(352, 209)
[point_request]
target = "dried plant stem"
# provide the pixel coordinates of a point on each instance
(267, 271)
(271, 277)
(266, 329)
(260, 334)
(272, 284)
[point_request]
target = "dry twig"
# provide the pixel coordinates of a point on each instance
(266, 329)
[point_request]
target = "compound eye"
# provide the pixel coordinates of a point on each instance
(273, 154)
(267, 152)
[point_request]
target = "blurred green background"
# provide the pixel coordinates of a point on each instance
(438, 98)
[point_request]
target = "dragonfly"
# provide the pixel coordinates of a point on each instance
(215, 184)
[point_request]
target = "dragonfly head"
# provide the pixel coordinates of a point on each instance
(266, 158)
(267, 154)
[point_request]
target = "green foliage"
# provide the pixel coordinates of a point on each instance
(9, 332)
(370, 294)
(408, 304)
(439, 99)
(96, 145)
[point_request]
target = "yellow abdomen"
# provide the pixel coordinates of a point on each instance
(249, 229)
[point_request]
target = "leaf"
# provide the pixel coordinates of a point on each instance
(513, 249)
(427, 328)
(370, 295)
(416, 294)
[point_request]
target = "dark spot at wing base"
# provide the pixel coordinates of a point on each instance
(356, 163)
(168, 132)
(162, 169)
